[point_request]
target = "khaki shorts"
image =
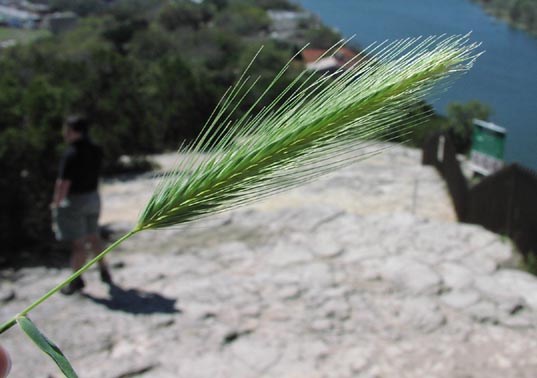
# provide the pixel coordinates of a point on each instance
(76, 217)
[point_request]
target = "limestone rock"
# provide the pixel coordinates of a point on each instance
(411, 275)
(363, 273)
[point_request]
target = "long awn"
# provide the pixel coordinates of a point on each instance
(317, 124)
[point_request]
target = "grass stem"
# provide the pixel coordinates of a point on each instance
(10, 323)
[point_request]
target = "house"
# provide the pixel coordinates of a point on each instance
(323, 60)
(286, 24)
(18, 18)
(40, 9)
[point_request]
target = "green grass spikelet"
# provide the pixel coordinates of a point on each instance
(319, 123)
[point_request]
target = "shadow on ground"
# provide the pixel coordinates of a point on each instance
(135, 301)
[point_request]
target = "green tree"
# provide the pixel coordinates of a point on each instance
(460, 122)
(518, 13)
(217, 4)
(181, 14)
(151, 45)
(180, 103)
(322, 37)
(120, 66)
(243, 19)
(112, 96)
(270, 56)
(28, 158)
(10, 96)
(121, 32)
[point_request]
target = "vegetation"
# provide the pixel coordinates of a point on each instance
(21, 35)
(529, 262)
(146, 73)
(459, 122)
(521, 14)
(312, 126)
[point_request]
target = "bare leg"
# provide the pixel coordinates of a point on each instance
(96, 247)
(78, 255)
(78, 259)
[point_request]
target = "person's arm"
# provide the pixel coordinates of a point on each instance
(63, 182)
(61, 189)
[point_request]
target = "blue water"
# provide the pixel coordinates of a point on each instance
(505, 77)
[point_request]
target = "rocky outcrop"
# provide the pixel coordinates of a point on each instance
(360, 274)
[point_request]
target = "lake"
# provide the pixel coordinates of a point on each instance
(505, 77)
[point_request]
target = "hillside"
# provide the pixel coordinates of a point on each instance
(521, 14)
(360, 274)
(147, 74)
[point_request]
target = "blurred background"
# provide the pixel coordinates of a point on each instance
(148, 74)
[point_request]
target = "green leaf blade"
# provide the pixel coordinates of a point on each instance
(46, 346)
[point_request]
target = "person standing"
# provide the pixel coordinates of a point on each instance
(76, 202)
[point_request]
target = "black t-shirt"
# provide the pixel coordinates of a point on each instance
(81, 164)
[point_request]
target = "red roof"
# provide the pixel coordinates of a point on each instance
(343, 55)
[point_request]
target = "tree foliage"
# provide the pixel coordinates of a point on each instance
(185, 13)
(460, 119)
(146, 73)
(322, 37)
(519, 13)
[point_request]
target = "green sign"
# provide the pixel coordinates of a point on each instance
(488, 147)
